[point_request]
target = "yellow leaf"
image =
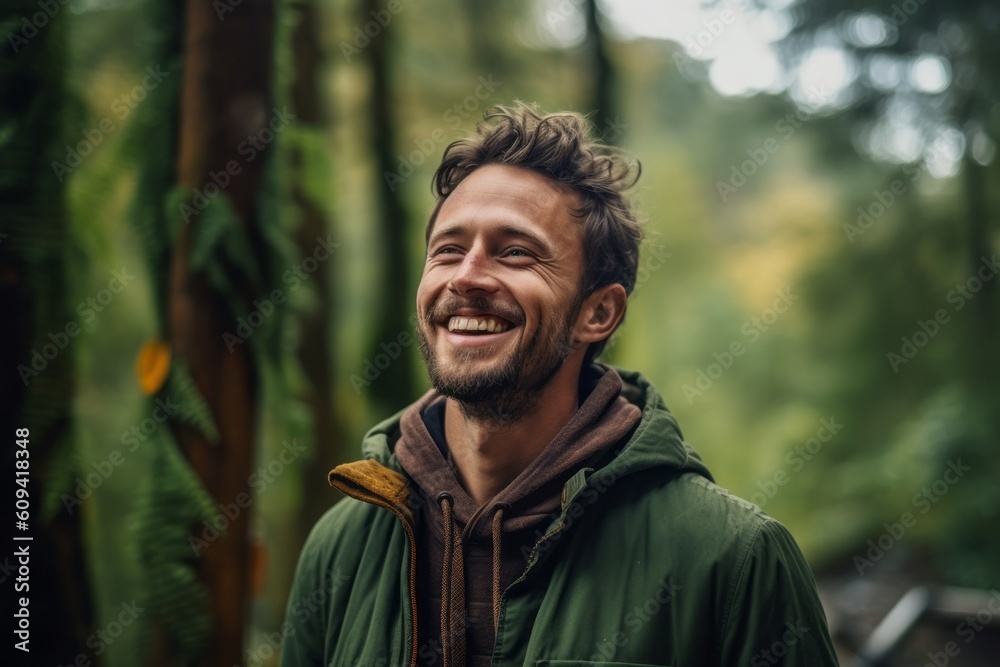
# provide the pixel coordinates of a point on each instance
(152, 365)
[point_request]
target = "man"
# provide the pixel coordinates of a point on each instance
(537, 507)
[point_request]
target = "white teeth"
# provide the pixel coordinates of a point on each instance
(487, 324)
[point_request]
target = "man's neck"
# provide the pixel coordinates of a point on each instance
(488, 456)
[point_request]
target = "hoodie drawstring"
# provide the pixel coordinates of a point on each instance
(453, 582)
(497, 525)
(452, 597)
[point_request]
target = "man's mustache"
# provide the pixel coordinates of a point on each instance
(440, 310)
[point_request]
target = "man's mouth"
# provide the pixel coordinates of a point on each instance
(478, 325)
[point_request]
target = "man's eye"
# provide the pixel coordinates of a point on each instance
(516, 252)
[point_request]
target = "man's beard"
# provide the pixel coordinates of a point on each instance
(509, 390)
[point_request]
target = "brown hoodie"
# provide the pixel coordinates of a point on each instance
(468, 555)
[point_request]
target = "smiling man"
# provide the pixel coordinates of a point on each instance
(538, 507)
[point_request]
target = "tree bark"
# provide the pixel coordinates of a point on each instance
(395, 386)
(315, 349)
(35, 253)
(602, 93)
(226, 98)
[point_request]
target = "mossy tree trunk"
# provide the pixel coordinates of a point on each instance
(36, 392)
(226, 106)
(395, 386)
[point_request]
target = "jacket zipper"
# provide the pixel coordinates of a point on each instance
(534, 550)
(374, 500)
(503, 598)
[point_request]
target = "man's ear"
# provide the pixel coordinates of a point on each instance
(600, 313)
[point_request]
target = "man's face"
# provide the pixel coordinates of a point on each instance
(507, 254)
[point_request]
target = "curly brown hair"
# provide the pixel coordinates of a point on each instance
(561, 146)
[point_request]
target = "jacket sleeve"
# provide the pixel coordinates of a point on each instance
(775, 616)
(307, 611)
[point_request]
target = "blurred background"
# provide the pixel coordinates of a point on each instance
(211, 231)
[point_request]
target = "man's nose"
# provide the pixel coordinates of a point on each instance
(473, 274)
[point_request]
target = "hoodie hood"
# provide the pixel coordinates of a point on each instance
(657, 441)
(602, 420)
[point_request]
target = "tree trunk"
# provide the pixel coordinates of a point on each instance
(978, 213)
(395, 386)
(605, 117)
(226, 98)
(35, 244)
(488, 26)
(315, 356)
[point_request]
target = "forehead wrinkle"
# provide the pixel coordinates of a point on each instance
(502, 225)
(493, 208)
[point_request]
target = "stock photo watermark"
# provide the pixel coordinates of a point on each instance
(773, 654)
(753, 328)
(94, 136)
(758, 156)
(958, 297)
(31, 25)
(363, 35)
(636, 619)
(883, 200)
(266, 307)
(454, 116)
(697, 42)
(796, 460)
(249, 149)
(301, 610)
(924, 500)
(162, 411)
(59, 340)
(968, 629)
(258, 481)
(596, 487)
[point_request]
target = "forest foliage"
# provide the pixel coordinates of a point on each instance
(816, 300)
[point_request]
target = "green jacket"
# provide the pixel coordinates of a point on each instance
(649, 563)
